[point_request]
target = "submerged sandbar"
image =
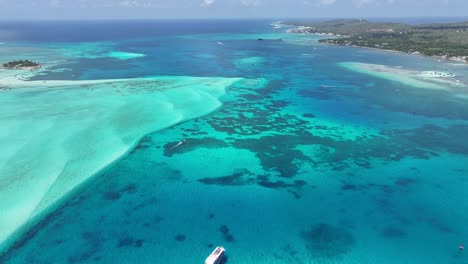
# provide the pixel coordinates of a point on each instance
(419, 79)
(70, 130)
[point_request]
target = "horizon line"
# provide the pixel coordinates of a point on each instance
(222, 18)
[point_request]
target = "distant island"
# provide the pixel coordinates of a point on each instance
(448, 40)
(22, 65)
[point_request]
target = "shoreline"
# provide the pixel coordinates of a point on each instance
(25, 68)
(438, 58)
(304, 30)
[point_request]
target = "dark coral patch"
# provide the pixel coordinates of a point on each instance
(327, 241)
(392, 232)
(295, 194)
(288, 254)
(224, 229)
(125, 242)
(439, 225)
(418, 102)
(229, 238)
(172, 148)
(145, 143)
(405, 182)
(116, 194)
(309, 115)
(180, 237)
(245, 177)
(435, 139)
(265, 182)
(130, 242)
(238, 178)
(276, 153)
(321, 93)
(139, 243)
(362, 163)
(129, 188)
(382, 187)
(279, 153)
(111, 195)
(261, 119)
(93, 242)
(226, 233)
(349, 187)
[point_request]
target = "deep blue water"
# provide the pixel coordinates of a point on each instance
(79, 31)
(82, 31)
(319, 165)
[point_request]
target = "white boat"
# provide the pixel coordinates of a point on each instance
(178, 144)
(216, 256)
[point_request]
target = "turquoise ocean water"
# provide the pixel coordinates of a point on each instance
(288, 157)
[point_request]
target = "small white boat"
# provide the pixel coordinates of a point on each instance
(216, 256)
(178, 144)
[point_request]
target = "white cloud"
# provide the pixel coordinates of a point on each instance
(360, 3)
(128, 3)
(133, 3)
(250, 2)
(55, 3)
(207, 2)
(319, 3)
(325, 2)
(83, 3)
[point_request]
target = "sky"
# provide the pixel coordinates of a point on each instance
(175, 9)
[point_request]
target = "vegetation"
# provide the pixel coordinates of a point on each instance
(447, 40)
(21, 64)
